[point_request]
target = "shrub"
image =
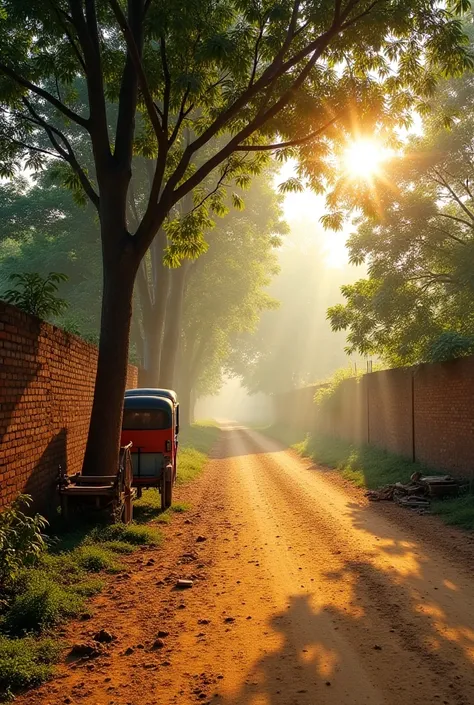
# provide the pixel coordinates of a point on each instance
(37, 295)
(21, 539)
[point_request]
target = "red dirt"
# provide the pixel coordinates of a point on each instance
(303, 594)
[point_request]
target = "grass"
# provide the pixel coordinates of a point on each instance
(75, 568)
(26, 662)
(368, 467)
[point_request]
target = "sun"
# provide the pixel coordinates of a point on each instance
(363, 158)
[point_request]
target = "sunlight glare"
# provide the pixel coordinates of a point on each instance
(363, 158)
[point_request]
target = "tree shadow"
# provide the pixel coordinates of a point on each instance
(402, 631)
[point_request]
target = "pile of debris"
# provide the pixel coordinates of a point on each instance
(418, 493)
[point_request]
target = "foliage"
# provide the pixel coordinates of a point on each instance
(42, 228)
(25, 663)
(417, 236)
(37, 295)
(88, 85)
(21, 539)
(326, 395)
(450, 345)
(226, 292)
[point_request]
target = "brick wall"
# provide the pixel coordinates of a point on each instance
(444, 415)
(424, 413)
(47, 382)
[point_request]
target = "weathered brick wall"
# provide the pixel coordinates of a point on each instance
(390, 410)
(47, 382)
(424, 412)
(444, 415)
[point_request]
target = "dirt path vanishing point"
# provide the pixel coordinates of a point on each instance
(303, 595)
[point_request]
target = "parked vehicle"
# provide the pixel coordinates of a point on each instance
(150, 423)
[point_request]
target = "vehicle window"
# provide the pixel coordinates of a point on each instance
(145, 420)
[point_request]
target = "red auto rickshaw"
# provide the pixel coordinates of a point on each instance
(150, 422)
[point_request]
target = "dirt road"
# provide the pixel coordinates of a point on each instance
(303, 595)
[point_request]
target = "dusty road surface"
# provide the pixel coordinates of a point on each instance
(303, 595)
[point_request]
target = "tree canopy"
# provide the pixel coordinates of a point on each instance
(417, 236)
(290, 76)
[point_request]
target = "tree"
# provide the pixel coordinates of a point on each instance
(417, 235)
(227, 292)
(42, 228)
(270, 76)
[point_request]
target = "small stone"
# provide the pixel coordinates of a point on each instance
(104, 636)
(377, 647)
(200, 539)
(188, 521)
(67, 701)
(129, 651)
(328, 683)
(158, 644)
(162, 634)
(229, 620)
(204, 621)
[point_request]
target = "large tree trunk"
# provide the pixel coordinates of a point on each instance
(102, 450)
(173, 325)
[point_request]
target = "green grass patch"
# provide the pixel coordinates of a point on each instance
(26, 662)
(458, 511)
(95, 559)
(42, 603)
(133, 534)
(369, 468)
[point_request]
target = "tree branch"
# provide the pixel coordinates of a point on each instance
(67, 154)
(30, 147)
(290, 143)
(167, 91)
(135, 60)
(454, 195)
(22, 81)
(66, 31)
